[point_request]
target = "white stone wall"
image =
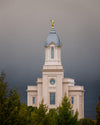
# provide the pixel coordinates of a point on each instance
(56, 88)
(53, 69)
(78, 93)
(30, 94)
(57, 55)
(43, 89)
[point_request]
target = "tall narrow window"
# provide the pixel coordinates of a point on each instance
(72, 100)
(52, 98)
(33, 100)
(52, 52)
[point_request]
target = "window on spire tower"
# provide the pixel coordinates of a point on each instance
(52, 52)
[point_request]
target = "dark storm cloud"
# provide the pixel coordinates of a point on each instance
(24, 26)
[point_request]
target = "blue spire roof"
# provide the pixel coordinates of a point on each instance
(53, 38)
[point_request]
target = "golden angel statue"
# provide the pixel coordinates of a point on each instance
(52, 22)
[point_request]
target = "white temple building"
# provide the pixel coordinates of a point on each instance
(53, 86)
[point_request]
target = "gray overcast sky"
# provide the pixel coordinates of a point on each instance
(24, 26)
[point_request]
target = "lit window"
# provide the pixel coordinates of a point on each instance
(52, 98)
(52, 52)
(72, 112)
(33, 100)
(72, 100)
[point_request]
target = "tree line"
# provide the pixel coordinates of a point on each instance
(14, 112)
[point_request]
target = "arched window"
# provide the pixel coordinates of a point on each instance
(52, 52)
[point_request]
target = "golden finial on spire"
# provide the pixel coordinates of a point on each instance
(52, 23)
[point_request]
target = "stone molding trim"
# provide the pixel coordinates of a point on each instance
(39, 82)
(76, 90)
(52, 70)
(31, 90)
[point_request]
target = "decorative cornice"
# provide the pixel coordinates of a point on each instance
(31, 90)
(52, 70)
(39, 82)
(76, 90)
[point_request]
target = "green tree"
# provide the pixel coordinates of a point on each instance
(30, 111)
(98, 112)
(39, 116)
(23, 115)
(9, 103)
(52, 117)
(3, 97)
(86, 121)
(65, 116)
(12, 107)
(3, 89)
(12, 111)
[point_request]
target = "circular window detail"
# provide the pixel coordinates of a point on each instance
(52, 81)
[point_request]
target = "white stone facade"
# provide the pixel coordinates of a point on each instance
(53, 70)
